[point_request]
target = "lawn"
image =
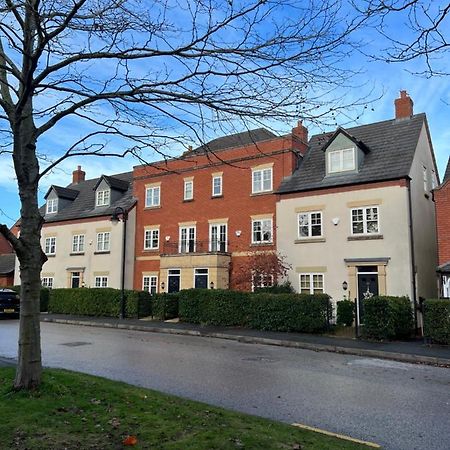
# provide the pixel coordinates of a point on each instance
(77, 411)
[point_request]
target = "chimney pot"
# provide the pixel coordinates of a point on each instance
(403, 106)
(300, 132)
(78, 175)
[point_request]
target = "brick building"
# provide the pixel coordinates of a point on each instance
(201, 216)
(442, 203)
(7, 263)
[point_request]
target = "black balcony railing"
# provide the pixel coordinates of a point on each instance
(192, 246)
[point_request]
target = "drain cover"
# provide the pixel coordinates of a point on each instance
(259, 359)
(75, 344)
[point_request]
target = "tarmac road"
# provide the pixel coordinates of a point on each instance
(398, 405)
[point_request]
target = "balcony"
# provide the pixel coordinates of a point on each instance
(193, 246)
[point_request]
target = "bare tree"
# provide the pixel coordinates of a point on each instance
(136, 76)
(424, 35)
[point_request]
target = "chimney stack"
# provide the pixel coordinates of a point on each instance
(300, 132)
(403, 106)
(78, 175)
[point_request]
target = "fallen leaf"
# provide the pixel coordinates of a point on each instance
(130, 441)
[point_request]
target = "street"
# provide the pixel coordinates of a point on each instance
(397, 405)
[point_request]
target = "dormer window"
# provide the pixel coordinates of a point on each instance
(52, 205)
(342, 160)
(103, 198)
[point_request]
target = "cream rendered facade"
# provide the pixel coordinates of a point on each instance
(339, 256)
(90, 263)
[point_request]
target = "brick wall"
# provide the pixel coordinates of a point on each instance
(237, 203)
(5, 247)
(442, 204)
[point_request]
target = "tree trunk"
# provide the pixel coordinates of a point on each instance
(31, 257)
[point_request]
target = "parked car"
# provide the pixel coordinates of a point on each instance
(9, 302)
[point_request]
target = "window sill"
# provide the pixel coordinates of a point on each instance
(188, 200)
(50, 255)
(309, 240)
(261, 244)
(76, 254)
(365, 237)
(152, 207)
(217, 196)
(257, 194)
(106, 252)
(151, 250)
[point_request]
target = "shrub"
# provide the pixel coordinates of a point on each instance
(164, 306)
(213, 306)
(387, 318)
(98, 302)
(345, 312)
(274, 312)
(437, 320)
(284, 288)
(289, 312)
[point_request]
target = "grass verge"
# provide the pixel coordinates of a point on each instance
(76, 411)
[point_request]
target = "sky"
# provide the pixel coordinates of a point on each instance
(430, 95)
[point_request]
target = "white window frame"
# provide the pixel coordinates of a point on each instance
(260, 173)
(185, 249)
(201, 274)
(152, 232)
(152, 200)
(103, 245)
(213, 186)
(47, 282)
(262, 241)
(103, 197)
(310, 225)
(101, 281)
(425, 178)
(218, 225)
(341, 152)
(50, 245)
(262, 282)
(188, 190)
(311, 282)
(52, 206)
(78, 241)
(364, 221)
(150, 284)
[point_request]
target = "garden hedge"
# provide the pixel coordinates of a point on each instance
(164, 306)
(345, 312)
(98, 302)
(387, 318)
(273, 312)
(437, 320)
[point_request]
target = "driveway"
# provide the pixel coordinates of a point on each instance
(398, 405)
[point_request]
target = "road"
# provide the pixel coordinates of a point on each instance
(398, 405)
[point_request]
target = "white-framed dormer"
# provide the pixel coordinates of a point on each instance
(103, 197)
(52, 205)
(343, 154)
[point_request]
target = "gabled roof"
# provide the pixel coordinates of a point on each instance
(392, 145)
(113, 183)
(235, 140)
(341, 130)
(62, 192)
(84, 204)
(447, 173)
(7, 263)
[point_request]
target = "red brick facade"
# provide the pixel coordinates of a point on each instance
(236, 206)
(5, 246)
(442, 203)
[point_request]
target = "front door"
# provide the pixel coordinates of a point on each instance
(75, 280)
(367, 286)
(173, 280)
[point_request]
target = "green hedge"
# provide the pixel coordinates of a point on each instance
(387, 318)
(164, 306)
(98, 302)
(285, 288)
(45, 293)
(345, 312)
(437, 320)
(274, 312)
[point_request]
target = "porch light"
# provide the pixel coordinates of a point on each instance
(345, 285)
(163, 285)
(211, 285)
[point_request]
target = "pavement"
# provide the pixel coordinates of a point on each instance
(414, 351)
